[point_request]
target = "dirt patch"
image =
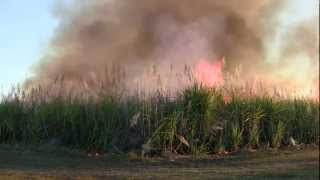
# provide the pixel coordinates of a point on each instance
(16, 163)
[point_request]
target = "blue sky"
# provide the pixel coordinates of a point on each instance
(25, 29)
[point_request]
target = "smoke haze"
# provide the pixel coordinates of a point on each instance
(107, 41)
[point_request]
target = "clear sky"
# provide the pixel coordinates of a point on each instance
(25, 29)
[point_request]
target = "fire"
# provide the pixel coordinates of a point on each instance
(210, 73)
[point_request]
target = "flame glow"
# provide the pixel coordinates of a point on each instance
(210, 74)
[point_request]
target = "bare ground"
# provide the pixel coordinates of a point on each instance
(17, 162)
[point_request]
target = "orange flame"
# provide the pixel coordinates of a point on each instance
(210, 73)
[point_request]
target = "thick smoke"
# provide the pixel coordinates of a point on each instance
(147, 43)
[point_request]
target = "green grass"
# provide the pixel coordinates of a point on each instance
(196, 121)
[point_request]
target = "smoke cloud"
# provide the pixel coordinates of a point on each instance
(148, 43)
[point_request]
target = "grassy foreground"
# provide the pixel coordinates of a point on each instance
(196, 121)
(199, 133)
(57, 163)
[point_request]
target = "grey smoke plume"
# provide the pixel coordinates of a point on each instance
(106, 40)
